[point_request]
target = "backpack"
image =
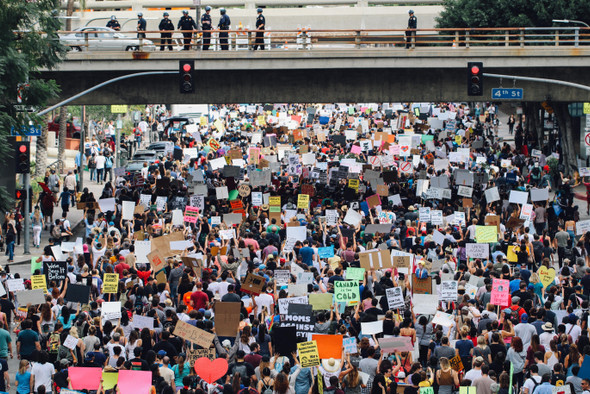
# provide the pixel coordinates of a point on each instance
(54, 343)
(266, 389)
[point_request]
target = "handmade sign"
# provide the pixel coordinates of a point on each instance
(308, 354)
(346, 291)
(421, 286)
(227, 318)
(55, 270)
(193, 334)
(395, 298)
(253, 284)
(375, 260)
(500, 292)
(210, 371)
(110, 283)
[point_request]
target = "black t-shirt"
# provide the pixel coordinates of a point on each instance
(166, 346)
(7, 307)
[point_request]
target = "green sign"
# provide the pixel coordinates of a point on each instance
(346, 291)
(355, 273)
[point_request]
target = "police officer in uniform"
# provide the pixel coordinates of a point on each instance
(166, 38)
(141, 25)
(223, 25)
(260, 23)
(114, 23)
(206, 25)
(411, 34)
(186, 22)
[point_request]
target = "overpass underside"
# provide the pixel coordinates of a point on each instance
(361, 75)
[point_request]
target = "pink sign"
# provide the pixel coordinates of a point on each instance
(355, 149)
(134, 382)
(500, 292)
(85, 378)
(191, 214)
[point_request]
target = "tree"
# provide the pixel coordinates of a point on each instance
(28, 33)
(41, 151)
(510, 13)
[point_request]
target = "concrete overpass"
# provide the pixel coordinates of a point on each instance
(357, 75)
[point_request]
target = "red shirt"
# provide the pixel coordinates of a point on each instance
(144, 275)
(119, 268)
(199, 299)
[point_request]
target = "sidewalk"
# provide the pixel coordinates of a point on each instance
(75, 216)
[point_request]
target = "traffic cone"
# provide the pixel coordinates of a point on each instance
(454, 44)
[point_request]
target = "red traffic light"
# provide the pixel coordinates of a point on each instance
(474, 70)
(18, 194)
(186, 67)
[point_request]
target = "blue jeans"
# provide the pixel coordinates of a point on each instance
(92, 173)
(10, 250)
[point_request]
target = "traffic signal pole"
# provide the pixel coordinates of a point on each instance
(27, 215)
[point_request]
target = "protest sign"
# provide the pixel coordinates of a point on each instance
(477, 251)
(486, 234)
(110, 283)
(55, 270)
(448, 291)
(395, 298)
(110, 310)
(421, 286)
(283, 303)
(355, 273)
(195, 335)
(500, 292)
(397, 344)
(38, 282)
(329, 346)
(227, 318)
(33, 297)
(78, 293)
(378, 259)
(346, 291)
(425, 304)
(456, 363)
(321, 301)
(282, 277)
(308, 354)
(141, 322)
(301, 317)
(253, 284)
(372, 328)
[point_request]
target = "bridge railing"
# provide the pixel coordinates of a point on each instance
(244, 39)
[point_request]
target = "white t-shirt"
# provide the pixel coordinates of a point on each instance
(43, 374)
(574, 331)
(263, 300)
(100, 160)
(473, 374)
(530, 384)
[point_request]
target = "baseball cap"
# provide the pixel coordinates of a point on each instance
(162, 353)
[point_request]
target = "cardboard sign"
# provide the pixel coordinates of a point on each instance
(448, 291)
(308, 354)
(301, 317)
(253, 284)
(162, 244)
(110, 283)
(33, 297)
(227, 319)
(321, 301)
(421, 286)
(375, 260)
(193, 334)
(55, 270)
(346, 291)
(157, 261)
(193, 354)
(398, 344)
(401, 261)
(78, 293)
(456, 363)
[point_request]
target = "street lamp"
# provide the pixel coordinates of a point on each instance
(570, 21)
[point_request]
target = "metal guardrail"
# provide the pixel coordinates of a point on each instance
(141, 5)
(245, 39)
(57, 165)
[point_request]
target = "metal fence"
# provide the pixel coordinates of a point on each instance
(244, 39)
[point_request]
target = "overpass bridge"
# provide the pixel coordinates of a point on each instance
(342, 66)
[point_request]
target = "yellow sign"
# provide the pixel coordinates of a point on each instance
(203, 121)
(219, 125)
(274, 200)
(586, 108)
(38, 282)
(353, 184)
(214, 144)
(118, 109)
(303, 201)
(486, 234)
(261, 120)
(458, 139)
(110, 283)
(308, 354)
(511, 254)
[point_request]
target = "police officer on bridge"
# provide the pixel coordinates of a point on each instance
(141, 25)
(166, 38)
(260, 23)
(114, 23)
(186, 22)
(411, 32)
(223, 26)
(207, 26)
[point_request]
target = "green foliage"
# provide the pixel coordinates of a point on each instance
(510, 13)
(28, 33)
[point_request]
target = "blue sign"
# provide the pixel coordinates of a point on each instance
(29, 131)
(507, 94)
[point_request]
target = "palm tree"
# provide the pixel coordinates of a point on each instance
(41, 151)
(61, 149)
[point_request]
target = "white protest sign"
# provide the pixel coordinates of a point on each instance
(477, 251)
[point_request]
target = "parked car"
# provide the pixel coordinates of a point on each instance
(103, 39)
(141, 156)
(176, 124)
(72, 127)
(162, 147)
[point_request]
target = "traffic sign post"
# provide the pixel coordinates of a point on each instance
(507, 94)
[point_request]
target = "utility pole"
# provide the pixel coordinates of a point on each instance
(118, 142)
(82, 142)
(197, 4)
(27, 215)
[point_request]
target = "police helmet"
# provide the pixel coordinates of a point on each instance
(259, 10)
(140, 14)
(166, 14)
(411, 12)
(113, 18)
(207, 8)
(185, 12)
(222, 11)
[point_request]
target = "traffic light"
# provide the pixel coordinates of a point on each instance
(22, 157)
(20, 194)
(186, 68)
(475, 79)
